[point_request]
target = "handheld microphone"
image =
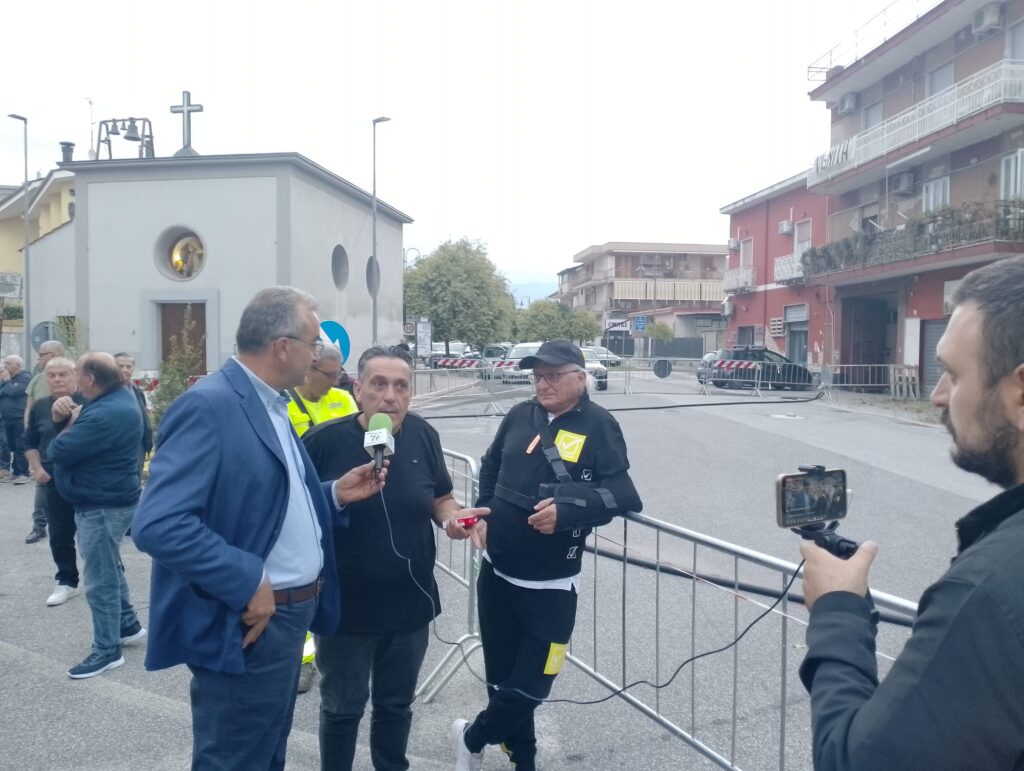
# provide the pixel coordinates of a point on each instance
(379, 441)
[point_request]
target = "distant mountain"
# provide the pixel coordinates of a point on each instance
(531, 291)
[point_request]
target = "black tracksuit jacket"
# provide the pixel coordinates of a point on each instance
(514, 467)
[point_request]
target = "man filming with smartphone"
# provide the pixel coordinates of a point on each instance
(954, 699)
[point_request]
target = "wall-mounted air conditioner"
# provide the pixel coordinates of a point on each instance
(848, 104)
(902, 184)
(786, 227)
(987, 19)
(734, 244)
(727, 308)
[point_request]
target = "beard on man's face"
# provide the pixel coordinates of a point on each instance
(996, 460)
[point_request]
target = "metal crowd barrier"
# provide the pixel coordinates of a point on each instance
(461, 562)
(438, 381)
(900, 381)
(655, 595)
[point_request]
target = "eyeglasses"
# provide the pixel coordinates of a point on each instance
(552, 377)
(334, 377)
(316, 346)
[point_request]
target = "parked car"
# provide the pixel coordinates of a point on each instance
(706, 366)
(515, 376)
(490, 355)
(512, 375)
(595, 368)
(607, 358)
(776, 370)
(457, 350)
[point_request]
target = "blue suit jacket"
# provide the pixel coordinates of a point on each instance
(212, 510)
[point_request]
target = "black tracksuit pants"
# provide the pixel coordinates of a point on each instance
(525, 633)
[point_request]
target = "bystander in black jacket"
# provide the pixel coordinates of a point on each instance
(514, 467)
(954, 699)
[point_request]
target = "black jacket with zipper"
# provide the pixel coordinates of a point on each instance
(514, 467)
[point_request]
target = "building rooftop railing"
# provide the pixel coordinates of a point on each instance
(873, 33)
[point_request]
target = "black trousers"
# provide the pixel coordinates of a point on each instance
(525, 633)
(61, 519)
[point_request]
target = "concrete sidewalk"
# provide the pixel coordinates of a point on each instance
(131, 719)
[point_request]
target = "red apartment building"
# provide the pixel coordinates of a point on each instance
(923, 181)
(771, 303)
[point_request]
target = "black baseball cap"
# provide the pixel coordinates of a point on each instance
(554, 352)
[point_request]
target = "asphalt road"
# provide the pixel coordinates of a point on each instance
(706, 467)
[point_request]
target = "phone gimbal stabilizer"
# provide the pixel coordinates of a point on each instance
(825, 535)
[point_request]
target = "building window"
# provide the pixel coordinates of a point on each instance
(746, 252)
(802, 238)
(1017, 41)
(935, 194)
(872, 115)
(187, 255)
(180, 253)
(940, 78)
(1011, 181)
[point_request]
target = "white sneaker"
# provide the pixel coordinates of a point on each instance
(62, 593)
(464, 759)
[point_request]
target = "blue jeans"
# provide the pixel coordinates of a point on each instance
(347, 663)
(240, 722)
(99, 542)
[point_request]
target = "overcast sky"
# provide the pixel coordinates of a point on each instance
(539, 128)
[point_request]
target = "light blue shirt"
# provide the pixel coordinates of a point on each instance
(297, 557)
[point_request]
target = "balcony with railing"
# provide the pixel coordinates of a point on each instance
(971, 224)
(789, 270)
(741, 279)
(1001, 83)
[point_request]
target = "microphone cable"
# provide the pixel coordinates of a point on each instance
(465, 659)
(747, 402)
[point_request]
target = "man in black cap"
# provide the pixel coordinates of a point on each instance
(557, 468)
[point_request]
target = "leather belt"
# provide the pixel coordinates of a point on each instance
(298, 593)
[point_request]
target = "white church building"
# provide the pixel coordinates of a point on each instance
(123, 245)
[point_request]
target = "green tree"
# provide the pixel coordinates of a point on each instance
(68, 329)
(544, 320)
(658, 332)
(583, 326)
(458, 288)
(184, 360)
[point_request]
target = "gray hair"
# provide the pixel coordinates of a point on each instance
(52, 346)
(997, 290)
(388, 351)
(59, 362)
(272, 313)
(15, 358)
(330, 353)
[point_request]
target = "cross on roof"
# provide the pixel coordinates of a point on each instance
(186, 108)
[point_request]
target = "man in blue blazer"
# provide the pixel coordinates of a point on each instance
(240, 531)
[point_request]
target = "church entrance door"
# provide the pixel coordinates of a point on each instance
(172, 318)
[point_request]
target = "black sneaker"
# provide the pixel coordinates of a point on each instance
(95, 664)
(133, 633)
(37, 534)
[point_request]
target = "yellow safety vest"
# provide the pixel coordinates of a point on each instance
(336, 403)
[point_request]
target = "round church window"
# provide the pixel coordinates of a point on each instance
(187, 255)
(179, 253)
(339, 267)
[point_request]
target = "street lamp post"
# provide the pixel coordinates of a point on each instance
(405, 267)
(27, 328)
(376, 264)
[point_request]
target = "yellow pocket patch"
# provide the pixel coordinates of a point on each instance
(556, 657)
(569, 445)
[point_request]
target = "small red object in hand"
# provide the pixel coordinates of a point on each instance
(467, 521)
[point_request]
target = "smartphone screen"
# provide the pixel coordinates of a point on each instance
(805, 498)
